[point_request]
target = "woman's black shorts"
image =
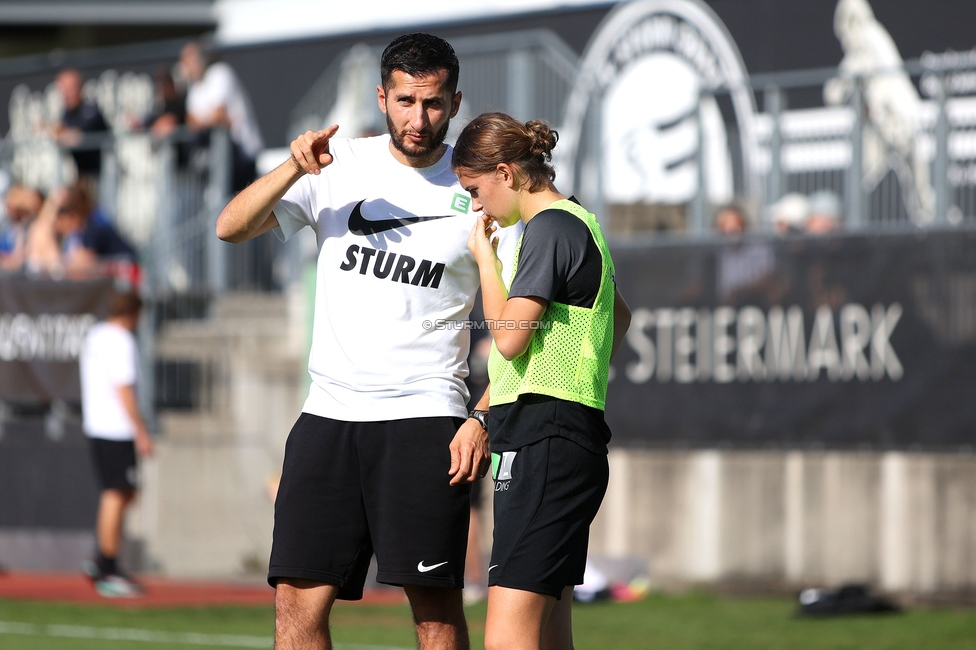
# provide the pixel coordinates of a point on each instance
(546, 496)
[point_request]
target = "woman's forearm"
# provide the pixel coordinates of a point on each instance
(493, 292)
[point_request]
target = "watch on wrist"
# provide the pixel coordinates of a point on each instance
(481, 416)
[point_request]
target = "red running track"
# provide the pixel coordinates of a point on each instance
(160, 592)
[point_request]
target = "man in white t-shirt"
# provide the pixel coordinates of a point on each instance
(216, 98)
(109, 363)
(382, 456)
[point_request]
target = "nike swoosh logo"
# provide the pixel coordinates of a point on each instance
(493, 566)
(425, 569)
(362, 227)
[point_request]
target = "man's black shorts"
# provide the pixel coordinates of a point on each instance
(349, 489)
(546, 496)
(115, 463)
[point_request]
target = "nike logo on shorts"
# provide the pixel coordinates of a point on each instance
(425, 569)
(493, 566)
(358, 225)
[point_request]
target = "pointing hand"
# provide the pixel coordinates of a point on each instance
(310, 151)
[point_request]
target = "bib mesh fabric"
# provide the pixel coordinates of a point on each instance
(569, 355)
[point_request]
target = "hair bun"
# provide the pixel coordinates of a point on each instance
(543, 137)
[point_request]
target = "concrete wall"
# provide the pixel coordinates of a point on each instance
(900, 521)
(205, 508)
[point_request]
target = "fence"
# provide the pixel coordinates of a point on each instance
(527, 74)
(162, 194)
(890, 156)
(877, 149)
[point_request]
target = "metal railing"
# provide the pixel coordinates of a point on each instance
(525, 73)
(163, 195)
(891, 157)
(890, 149)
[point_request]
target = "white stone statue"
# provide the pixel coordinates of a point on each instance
(891, 102)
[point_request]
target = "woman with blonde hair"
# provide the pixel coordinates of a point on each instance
(556, 324)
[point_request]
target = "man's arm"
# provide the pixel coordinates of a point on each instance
(42, 251)
(144, 444)
(470, 455)
(250, 213)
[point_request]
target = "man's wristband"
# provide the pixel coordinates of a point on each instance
(481, 416)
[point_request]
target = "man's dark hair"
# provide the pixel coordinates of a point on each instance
(124, 303)
(419, 55)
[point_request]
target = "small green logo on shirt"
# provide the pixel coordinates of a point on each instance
(461, 203)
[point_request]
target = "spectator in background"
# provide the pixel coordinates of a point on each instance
(23, 205)
(824, 214)
(789, 214)
(169, 107)
(742, 267)
(215, 98)
(67, 240)
(731, 220)
(79, 118)
(109, 364)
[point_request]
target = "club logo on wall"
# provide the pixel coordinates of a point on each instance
(637, 105)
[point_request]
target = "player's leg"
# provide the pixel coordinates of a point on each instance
(546, 495)
(516, 618)
(475, 580)
(321, 544)
(558, 633)
(302, 609)
(438, 614)
(419, 522)
(115, 467)
(108, 522)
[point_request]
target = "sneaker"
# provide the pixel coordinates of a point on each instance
(117, 586)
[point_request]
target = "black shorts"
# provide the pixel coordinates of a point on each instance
(115, 463)
(546, 496)
(349, 489)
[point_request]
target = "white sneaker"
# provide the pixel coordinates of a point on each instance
(116, 586)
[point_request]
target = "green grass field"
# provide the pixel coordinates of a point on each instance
(691, 621)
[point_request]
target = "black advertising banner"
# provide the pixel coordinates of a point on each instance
(839, 342)
(42, 325)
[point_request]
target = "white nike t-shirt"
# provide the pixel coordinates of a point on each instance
(108, 360)
(394, 284)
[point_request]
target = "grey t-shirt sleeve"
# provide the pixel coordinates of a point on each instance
(553, 248)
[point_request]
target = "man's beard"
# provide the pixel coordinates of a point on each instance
(418, 151)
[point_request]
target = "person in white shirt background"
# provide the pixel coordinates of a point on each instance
(109, 363)
(216, 98)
